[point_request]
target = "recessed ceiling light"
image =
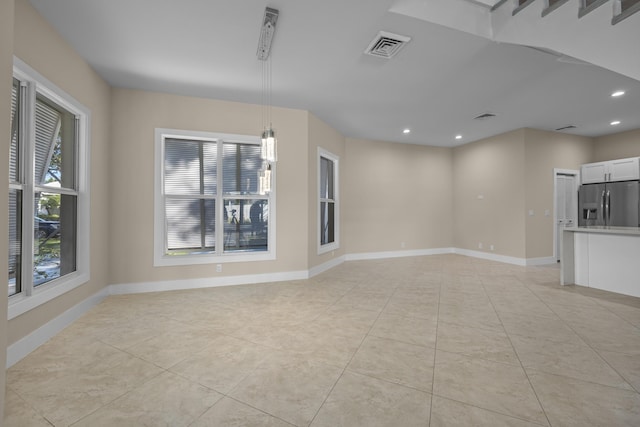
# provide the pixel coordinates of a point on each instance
(405, 131)
(458, 136)
(615, 123)
(617, 93)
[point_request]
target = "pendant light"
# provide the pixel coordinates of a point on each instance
(264, 179)
(269, 148)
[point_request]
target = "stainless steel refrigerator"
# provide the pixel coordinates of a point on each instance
(609, 204)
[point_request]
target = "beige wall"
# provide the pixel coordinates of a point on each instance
(545, 151)
(135, 116)
(499, 180)
(322, 136)
(42, 48)
(489, 199)
(617, 146)
(396, 193)
(6, 73)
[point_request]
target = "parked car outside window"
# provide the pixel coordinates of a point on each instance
(44, 228)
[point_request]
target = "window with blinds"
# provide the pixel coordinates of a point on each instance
(327, 201)
(15, 193)
(211, 206)
(48, 133)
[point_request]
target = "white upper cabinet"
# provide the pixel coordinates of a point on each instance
(594, 172)
(613, 170)
(624, 169)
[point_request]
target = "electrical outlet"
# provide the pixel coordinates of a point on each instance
(402, 245)
(491, 247)
(480, 245)
(218, 268)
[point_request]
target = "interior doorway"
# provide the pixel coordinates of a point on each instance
(565, 212)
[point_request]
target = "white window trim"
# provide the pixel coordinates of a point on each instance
(33, 297)
(160, 258)
(336, 191)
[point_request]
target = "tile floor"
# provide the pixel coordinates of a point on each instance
(425, 341)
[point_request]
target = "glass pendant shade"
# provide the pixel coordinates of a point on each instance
(264, 179)
(269, 149)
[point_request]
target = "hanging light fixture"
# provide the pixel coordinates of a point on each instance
(269, 149)
(264, 178)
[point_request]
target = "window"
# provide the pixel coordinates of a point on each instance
(48, 196)
(628, 4)
(587, 6)
(208, 207)
(521, 4)
(328, 209)
(551, 5)
(623, 9)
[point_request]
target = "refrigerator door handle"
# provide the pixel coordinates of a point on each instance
(603, 212)
(608, 206)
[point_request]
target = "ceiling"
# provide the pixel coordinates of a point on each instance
(435, 85)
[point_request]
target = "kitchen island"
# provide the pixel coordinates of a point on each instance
(606, 258)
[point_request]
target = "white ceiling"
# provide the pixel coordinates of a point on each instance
(435, 86)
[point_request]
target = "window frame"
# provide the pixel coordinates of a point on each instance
(518, 5)
(160, 256)
(585, 9)
(327, 247)
(620, 13)
(550, 7)
(31, 296)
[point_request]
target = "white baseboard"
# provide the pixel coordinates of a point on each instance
(523, 262)
(492, 257)
(314, 271)
(24, 346)
(206, 282)
(541, 261)
(397, 254)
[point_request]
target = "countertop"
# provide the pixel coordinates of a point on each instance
(628, 231)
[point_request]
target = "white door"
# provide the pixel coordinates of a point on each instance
(566, 205)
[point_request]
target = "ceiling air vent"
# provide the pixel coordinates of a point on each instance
(484, 116)
(566, 127)
(386, 45)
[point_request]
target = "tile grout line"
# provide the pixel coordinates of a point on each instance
(352, 356)
(594, 349)
(586, 342)
(435, 350)
(517, 355)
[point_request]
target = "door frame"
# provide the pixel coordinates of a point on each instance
(556, 173)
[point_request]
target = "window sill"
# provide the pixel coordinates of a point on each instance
(626, 13)
(553, 7)
(593, 6)
(522, 6)
(328, 248)
(20, 304)
(176, 260)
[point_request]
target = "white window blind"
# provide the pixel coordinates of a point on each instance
(211, 208)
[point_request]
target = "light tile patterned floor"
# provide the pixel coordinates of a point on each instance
(425, 341)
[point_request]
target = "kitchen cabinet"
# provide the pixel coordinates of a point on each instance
(601, 257)
(611, 171)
